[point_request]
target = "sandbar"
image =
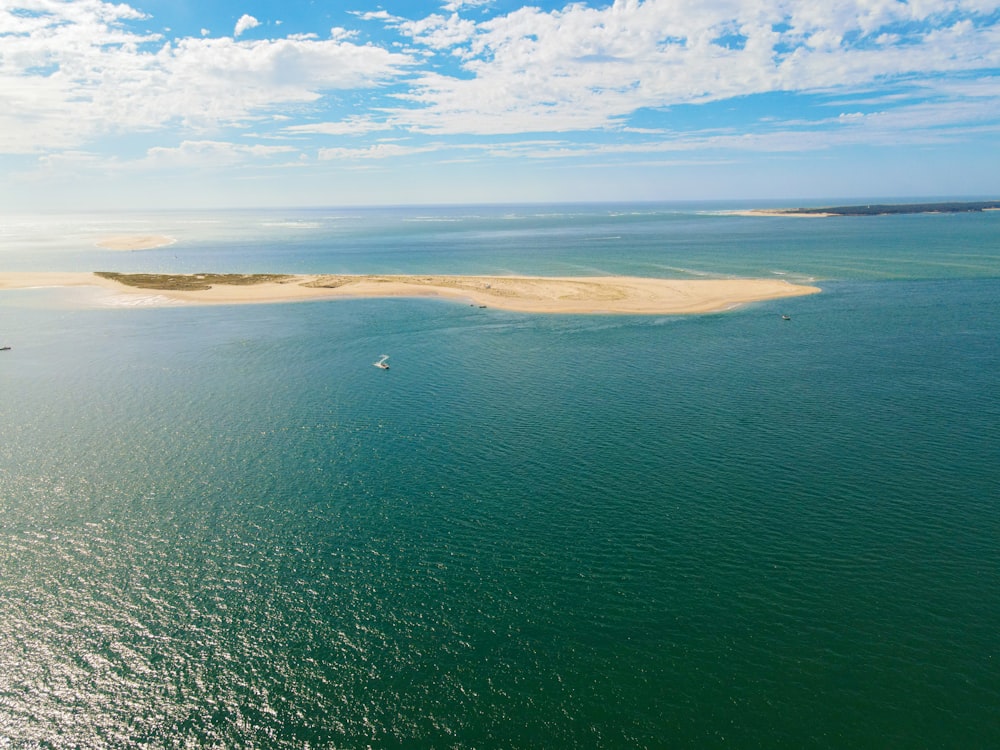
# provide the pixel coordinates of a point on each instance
(530, 294)
(135, 242)
(780, 212)
(48, 279)
(877, 209)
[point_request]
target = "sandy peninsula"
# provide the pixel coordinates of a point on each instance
(780, 212)
(135, 242)
(567, 295)
(877, 209)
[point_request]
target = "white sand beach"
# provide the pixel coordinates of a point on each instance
(49, 279)
(576, 295)
(135, 242)
(779, 212)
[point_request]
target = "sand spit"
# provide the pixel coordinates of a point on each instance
(48, 279)
(135, 242)
(877, 209)
(779, 212)
(568, 295)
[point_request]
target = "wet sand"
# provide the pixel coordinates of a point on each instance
(135, 242)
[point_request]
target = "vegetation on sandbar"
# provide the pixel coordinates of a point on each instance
(186, 282)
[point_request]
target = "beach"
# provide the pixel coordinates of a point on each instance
(135, 242)
(780, 212)
(567, 295)
(875, 209)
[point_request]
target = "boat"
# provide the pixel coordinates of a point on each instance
(4, 348)
(381, 363)
(785, 317)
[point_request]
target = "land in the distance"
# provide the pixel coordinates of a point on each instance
(880, 209)
(135, 242)
(569, 295)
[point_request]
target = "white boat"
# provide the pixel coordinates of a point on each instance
(381, 363)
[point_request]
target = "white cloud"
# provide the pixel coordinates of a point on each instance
(582, 67)
(439, 32)
(71, 160)
(456, 5)
(915, 124)
(245, 23)
(355, 125)
(340, 33)
(579, 68)
(204, 154)
(375, 15)
(377, 151)
(78, 63)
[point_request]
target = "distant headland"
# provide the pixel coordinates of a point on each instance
(879, 209)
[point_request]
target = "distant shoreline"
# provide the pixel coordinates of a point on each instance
(877, 209)
(566, 295)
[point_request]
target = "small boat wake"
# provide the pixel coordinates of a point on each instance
(381, 363)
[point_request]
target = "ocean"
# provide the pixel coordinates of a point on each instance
(221, 527)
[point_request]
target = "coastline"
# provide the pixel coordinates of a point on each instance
(567, 295)
(791, 212)
(875, 209)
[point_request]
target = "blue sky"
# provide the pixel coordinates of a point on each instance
(186, 103)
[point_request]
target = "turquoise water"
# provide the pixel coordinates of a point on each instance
(221, 527)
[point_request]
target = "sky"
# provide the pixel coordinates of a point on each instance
(246, 103)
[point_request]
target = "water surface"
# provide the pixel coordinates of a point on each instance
(222, 527)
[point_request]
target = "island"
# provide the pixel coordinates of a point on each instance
(531, 294)
(879, 209)
(135, 242)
